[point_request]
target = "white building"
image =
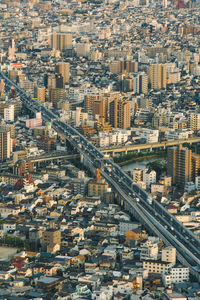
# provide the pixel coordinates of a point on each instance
(178, 134)
(149, 252)
(9, 113)
(150, 135)
(179, 274)
(149, 177)
(197, 182)
(116, 138)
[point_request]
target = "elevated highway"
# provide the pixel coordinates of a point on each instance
(135, 200)
(162, 145)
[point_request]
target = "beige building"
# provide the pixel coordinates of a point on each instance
(39, 94)
(61, 41)
(120, 114)
(63, 68)
(169, 255)
(5, 143)
(137, 175)
(179, 163)
(56, 95)
(157, 76)
(51, 236)
(194, 121)
(97, 187)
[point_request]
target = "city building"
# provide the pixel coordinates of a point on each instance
(63, 68)
(51, 236)
(39, 94)
(61, 41)
(157, 76)
(5, 143)
(120, 114)
(179, 165)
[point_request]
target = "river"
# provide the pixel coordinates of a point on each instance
(141, 164)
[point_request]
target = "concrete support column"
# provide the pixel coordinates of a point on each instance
(82, 158)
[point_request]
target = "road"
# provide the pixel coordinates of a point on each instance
(137, 201)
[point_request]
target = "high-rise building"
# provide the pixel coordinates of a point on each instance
(195, 166)
(39, 94)
(157, 76)
(57, 95)
(131, 66)
(63, 68)
(141, 83)
(5, 143)
(179, 163)
(120, 114)
(9, 113)
(61, 41)
(99, 108)
(194, 121)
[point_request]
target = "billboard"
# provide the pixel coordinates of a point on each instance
(17, 65)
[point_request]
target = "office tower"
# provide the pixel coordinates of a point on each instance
(179, 163)
(120, 114)
(194, 121)
(39, 94)
(63, 68)
(61, 41)
(157, 76)
(5, 143)
(57, 95)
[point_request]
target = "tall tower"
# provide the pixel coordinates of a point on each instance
(63, 68)
(39, 93)
(179, 162)
(120, 114)
(158, 76)
(5, 143)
